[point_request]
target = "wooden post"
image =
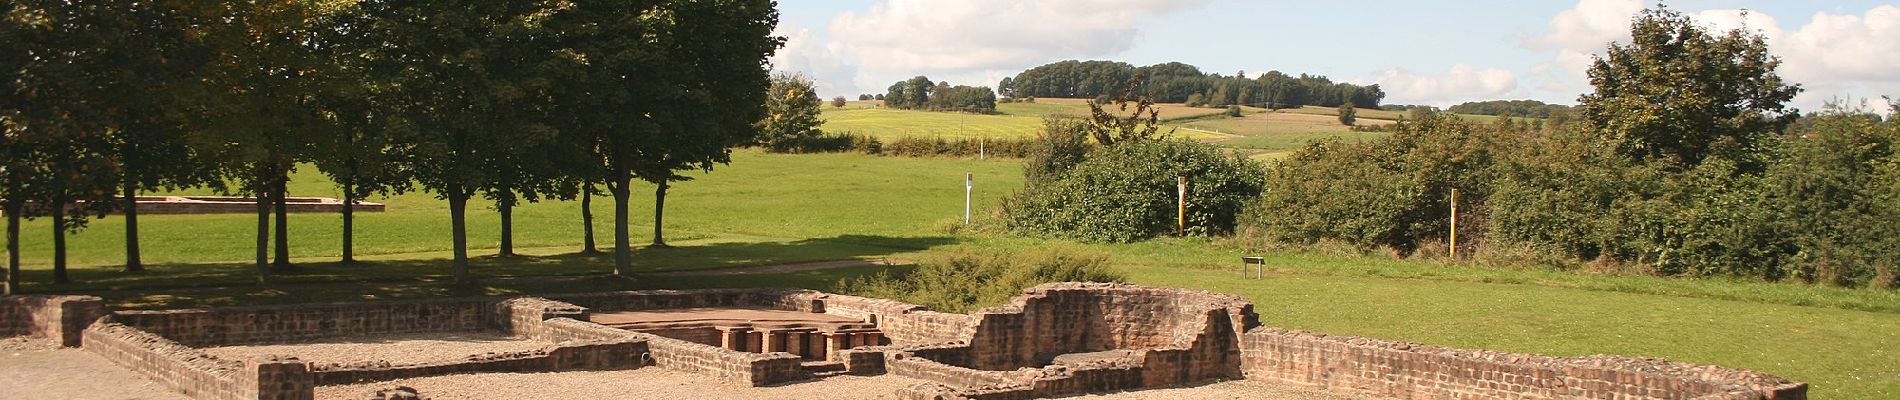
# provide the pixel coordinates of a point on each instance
(1180, 207)
(969, 184)
(1454, 224)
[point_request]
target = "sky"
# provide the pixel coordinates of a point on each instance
(1419, 52)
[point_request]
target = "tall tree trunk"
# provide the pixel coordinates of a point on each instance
(659, 214)
(13, 208)
(623, 248)
(507, 207)
(282, 262)
(349, 222)
(59, 240)
(458, 228)
(132, 263)
(262, 194)
(587, 221)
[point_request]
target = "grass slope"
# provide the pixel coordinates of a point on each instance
(768, 208)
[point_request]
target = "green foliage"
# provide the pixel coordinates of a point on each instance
(1520, 108)
(961, 281)
(791, 122)
(1233, 111)
(918, 93)
(1059, 146)
(1392, 192)
(1348, 114)
(1177, 82)
(1127, 192)
(1680, 94)
(1834, 194)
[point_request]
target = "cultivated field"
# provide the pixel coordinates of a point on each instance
(769, 208)
(1012, 120)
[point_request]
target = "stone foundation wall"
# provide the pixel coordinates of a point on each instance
(571, 356)
(1055, 319)
(194, 373)
(927, 327)
(62, 319)
(734, 367)
(664, 299)
(249, 325)
(1369, 367)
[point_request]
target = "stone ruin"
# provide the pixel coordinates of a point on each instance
(1054, 340)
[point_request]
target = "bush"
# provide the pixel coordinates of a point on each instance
(1233, 111)
(962, 280)
(1389, 192)
(1126, 192)
(1058, 147)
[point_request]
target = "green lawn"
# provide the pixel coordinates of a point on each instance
(769, 208)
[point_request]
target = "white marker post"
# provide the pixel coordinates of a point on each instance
(969, 184)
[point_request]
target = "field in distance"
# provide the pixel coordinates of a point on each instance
(1011, 120)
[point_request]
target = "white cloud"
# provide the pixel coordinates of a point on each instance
(1460, 84)
(1842, 55)
(923, 36)
(1831, 55)
(823, 62)
(1577, 35)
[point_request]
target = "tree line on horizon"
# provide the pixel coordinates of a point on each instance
(919, 93)
(1176, 82)
(509, 100)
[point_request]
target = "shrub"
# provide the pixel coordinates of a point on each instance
(1388, 192)
(962, 280)
(1058, 147)
(1233, 111)
(1126, 192)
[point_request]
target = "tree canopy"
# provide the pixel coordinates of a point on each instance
(1679, 93)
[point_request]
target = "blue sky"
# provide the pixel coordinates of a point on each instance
(1437, 53)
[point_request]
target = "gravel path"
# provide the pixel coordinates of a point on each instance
(644, 383)
(37, 369)
(402, 349)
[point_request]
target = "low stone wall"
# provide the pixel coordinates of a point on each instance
(278, 324)
(668, 299)
(194, 373)
(735, 367)
(1369, 367)
(61, 319)
(572, 356)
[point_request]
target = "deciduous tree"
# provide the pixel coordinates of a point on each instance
(1678, 93)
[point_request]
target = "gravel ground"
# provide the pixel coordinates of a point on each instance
(403, 349)
(655, 383)
(644, 383)
(1242, 389)
(37, 369)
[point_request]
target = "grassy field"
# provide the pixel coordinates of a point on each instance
(1011, 120)
(768, 208)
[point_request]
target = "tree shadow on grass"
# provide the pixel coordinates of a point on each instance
(224, 284)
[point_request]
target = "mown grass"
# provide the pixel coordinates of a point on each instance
(769, 208)
(761, 198)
